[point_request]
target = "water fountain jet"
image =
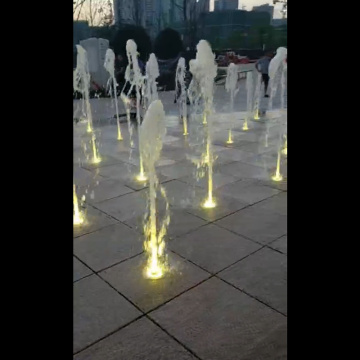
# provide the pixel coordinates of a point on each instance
(137, 81)
(78, 217)
(257, 97)
(230, 140)
(180, 80)
(230, 86)
(151, 138)
(249, 99)
(82, 82)
(204, 70)
(110, 67)
(277, 176)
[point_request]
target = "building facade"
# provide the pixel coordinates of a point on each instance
(155, 15)
(226, 5)
(265, 8)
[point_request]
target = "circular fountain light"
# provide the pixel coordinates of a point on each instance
(245, 127)
(284, 151)
(154, 273)
(141, 177)
(78, 220)
(277, 177)
(209, 204)
(96, 160)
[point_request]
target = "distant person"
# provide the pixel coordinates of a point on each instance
(120, 66)
(262, 66)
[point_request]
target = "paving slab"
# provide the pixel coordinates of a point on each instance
(105, 190)
(225, 205)
(244, 171)
(219, 180)
(94, 220)
(280, 244)
(248, 191)
(256, 224)
(262, 275)
(128, 278)
(217, 321)
(98, 310)
(84, 177)
(277, 203)
(180, 169)
(141, 340)
(126, 206)
(181, 222)
(106, 160)
(213, 248)
(80, 270)
(108, 246)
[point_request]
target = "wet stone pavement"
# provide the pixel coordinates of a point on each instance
(226, 294)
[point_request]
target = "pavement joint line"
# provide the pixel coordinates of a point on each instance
(109, 334)
(91, 232)
(146, 314)
(119, 262)
(137, 318)
(173, 337)
(234, 212)
(252, 296)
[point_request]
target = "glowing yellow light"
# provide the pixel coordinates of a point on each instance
(256, 116)
(277, 176)
(245, 126)
(230, 140)
(141, 177)
(119, 137)
(154, 270)
(89, 128)
(78, 217)
(96, 157)
(284, 150)
(204, 119)
(154, 245)
(209, 203)
(185, 126)
(154, 273)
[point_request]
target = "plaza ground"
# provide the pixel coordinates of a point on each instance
(226, 294)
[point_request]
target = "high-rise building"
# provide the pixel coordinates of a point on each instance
(226, 5)
(265, 8)
(155, 15)
(130, 12)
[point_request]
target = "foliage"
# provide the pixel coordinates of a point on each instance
(136, 33)
(257, 37)
(104, 32)
(95, 12)
(168, 44)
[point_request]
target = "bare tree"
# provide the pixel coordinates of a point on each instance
(95, 12)
(193, 17)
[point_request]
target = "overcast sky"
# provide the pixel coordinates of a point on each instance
(250, 3)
